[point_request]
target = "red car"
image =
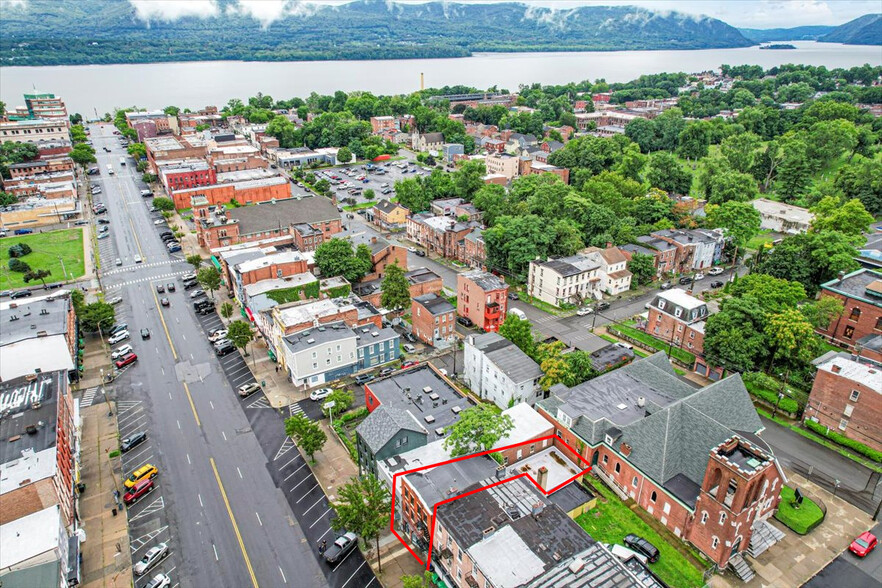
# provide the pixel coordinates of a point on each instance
(126, 360)
(408, 364)
(864, 544)
(138, 490)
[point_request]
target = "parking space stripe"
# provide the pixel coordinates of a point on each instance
(307, 492)
(294, 472)
(321, 517)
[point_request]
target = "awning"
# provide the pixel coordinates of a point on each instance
(216, 263)
(272, 355)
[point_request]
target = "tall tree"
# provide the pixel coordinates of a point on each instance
(734, 337)
(666, 173)
(163, 203)
(478, 429)
(308, 435)
(822, 311)
(395, 288)
(740, 222)
(791, 337)
(195, 260)
(240, 335)
(209, 278)
(849, 217)
(226, 310)
(94, 314)
(363, 507)
(37, 274)
(517, 330)
(770, 293)
(642, 267)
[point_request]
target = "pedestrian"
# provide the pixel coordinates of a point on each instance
(323, 547)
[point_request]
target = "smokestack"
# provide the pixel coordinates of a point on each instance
(422, 81)
(543, 478)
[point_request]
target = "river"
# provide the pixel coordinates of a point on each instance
(88, 89)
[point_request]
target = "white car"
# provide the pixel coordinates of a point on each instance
(120, 351)
(320, 393)
(715, 271)
(115, 300)
(159, 581)
(218, 335)
(150, 559)
(585, 310)
(137, 259)
(119, 337)
(408, 348)
(698, 276)
(159, 221)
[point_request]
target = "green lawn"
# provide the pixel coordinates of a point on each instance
(761, 239)
(610, 521)
(363, 205)
(800, 520)
(47, 248)
(657, 344)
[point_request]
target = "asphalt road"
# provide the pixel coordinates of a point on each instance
(851, 570)
(224, 519)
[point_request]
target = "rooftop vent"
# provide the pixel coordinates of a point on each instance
(321, 329)
(429, 418)
(44, 311)
(375, 334)
(456, 410)
(622, 406)
(488, 531)
(392, 462)
(310, 341)
(641, 401)
(13, 318)
(427, 390)
(439, 431)
(434, 396)
(576, 565)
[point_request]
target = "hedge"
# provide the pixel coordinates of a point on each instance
(763, 387)
(283, 295)
(856, 446)
(339, 291)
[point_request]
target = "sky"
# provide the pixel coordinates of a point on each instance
(738, 13)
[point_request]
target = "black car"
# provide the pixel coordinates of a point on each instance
(160, 289)
(145, 333)
(643, 546)
(513, 296)
(717, 284)
(686, 280)
(202, 303)
(21, 294)
(603, 305)
(117, 328)
(190, 284)
(103, 221)
(340, 548)
(464, 321)
(132, 440)
(410, 337)
(205, 310)
(170, 287)
(420, 253)
(225, 349)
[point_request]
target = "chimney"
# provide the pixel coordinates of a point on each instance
(537, 509)
(841, 275)
(543, 478)
(625, 449)
(374, 239)
(641, 401)
(836, 369)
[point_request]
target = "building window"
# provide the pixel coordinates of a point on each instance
(878, 326)
(678, 312)
(849, 332)
(843, 423)
(703, 517)
(855, 314)
(855, 395)
(661, 304)
(667, 508)
(722, 518)
(605, 459)
(653, 497)
(634, 482)
(715, 543)
(618, 468)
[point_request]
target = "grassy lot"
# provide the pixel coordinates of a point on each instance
(47, 248)
(800, 520)
(363, 205)
(610, 521)
(658, 344)
(761, 239)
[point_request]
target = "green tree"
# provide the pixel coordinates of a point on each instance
(18, 266)
(791, 337)
(395, 288)
(94, 314)
(363, 507)
(478, 429)
(240, 335)
(694, 140)
(322, 187)
(37, 274)
(163, 203)
(344, 155)
(828, 139)
(78, 134)
(718, 183)
(209, 278)
(426, 580)
(741, 151)
(226, 310)
(412, 195)
(740, 222)
(862, 179)
(82, 154)
(137, 150)
(580, 368)
(554, 367)
(336, 258)
(666, 173)
(794, 170)
(307, 434)
(849, 217)
(770, 293)
(517, 330)
(195, 260)
(342, 399)
(284, 130)
(822, 311)
(7, 198)
(811, 259)
(149, 178)
(642, 268)
(734, 337)
(369, 194)
(171, 110)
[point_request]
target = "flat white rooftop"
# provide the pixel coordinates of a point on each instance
(29, 536)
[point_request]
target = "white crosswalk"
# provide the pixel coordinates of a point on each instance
(294, 409)
(261, 402)
(142, 265)
(149, 279)
(88, 397)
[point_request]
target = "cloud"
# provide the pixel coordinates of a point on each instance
(170, 10)
(268, 11)
(13, 4)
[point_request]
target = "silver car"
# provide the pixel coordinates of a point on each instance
(150, 559)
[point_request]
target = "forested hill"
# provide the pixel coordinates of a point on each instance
(53, 32)
(865, 30)
(809, 33)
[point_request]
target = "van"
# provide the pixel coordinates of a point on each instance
(624, 345)
(518, 313)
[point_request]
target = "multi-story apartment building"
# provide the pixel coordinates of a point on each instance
(432, 319)
(437, 234)
(38, 334)
(41, 105)
(389, 215)
(696, 249)
(847, 398)
(383, 254)
(567, 280)
(663, 252)
(167, 147)
(714, 487)
(614, 275)
(497, 370)
(192, 173)
(34, 131)
(861, 321)
(502, 164)
(482, 298)
(678, 319)
(471, 250)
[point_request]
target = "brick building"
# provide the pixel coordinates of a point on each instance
(383, 254)
(420, 281)
(186, 174)
(44, 165)
(432, 319)
(483, 298)
(173, 148)
(847, 398)
(437, 234)
(861, 294)
(471, 250)
(502, 164)
(690, 458)
(34, 131)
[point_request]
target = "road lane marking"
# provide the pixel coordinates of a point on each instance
(258, 519)
(179, 425)
(216, 558)
(240, 472)
(212, 404)
(165, 328)
(192, 406)
(188, 459)
(224, 435)
(235, 526)
(200, 500)
(284, 579)
(307, 492)
(135, 235)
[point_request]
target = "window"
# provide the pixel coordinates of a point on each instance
(678, 311)
(667, 508)
(313, 354)
(855, 395)
(722, 518)
(855, 314)
(653, 497)
(843, 423)
(634, 482)
(849, 408)
(679, 328)
(338, 347)
(661, 304)
(618, 468)
(605, 459)
(703, 517)
(314, 366)
(849, 332)
(328, 361)
(715, 543)
(878, 326)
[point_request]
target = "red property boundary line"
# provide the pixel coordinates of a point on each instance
(435, 507)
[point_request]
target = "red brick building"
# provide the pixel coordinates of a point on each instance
(437, 234)
(187, 175)
(166, 148)
(690, 458)
(244, 192)
(44, 165)
(861, 294)
(383, 254)
(432, 319)
(678, 318)
(847, 398)
(421, 281)
(483, 298)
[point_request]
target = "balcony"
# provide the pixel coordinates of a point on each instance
(492, 311)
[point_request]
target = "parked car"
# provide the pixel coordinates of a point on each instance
(513, 296)
(174, 248)
(643, 546)
(118, 338)
(170, 287)
(363, 378)
(409, 363)
(145, 471)
(197, 293)
(132, 441)
(217, 335)
(224, 350)
(420, 253)
(138, 490)
(117, 328)
(717, 284)
(699, 276)
(118, 261)
(190, 284)
(602, 305)
(685, 280)
(410, 337)
(103, 221)
(584, 310)
(159, 581)
(246, 390)
(863, 544)
(408, 348)
(222, 342)
(121, 351)
(20, 294)
(464, 321)
(126, 360)
(385, 372)
(715, 271)
(103, 235)
(138, 259)
(340, 548)
(320, 393)
(153, 556)
(665, 286)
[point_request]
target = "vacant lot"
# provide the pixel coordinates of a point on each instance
(49, 251)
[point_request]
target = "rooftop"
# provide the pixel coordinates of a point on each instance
(268, 260)
(780, 209)
(485, 280)
(302, 312)
(315, 337)
(505, 355)
(679, 297)
(30, 468)
(570, 266)
(594, 567)
(609, 356)
(383, 424)
(423, 392)
(30, 318)
(29, 536)
(264, 217)
(849, 369)
(434, 304)
(863, 284)
(246, 174)
(25, 357)
(29, 413)
(264, 286)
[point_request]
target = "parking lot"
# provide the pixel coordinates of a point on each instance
(289, 470)
(384, 173)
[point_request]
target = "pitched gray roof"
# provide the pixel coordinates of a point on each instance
(268, 215)
(384, 423)
(513, 362)
(434, 304)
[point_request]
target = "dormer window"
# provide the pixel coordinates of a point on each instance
(564, 418)
(678, 312)
(608, 440)
(661, 304)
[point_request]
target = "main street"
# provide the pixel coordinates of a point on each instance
(225, 521)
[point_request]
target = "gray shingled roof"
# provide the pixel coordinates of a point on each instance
(384, 423)
(268, 215)
(513, 362)
(434, 304)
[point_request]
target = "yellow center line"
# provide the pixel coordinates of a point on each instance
(192, 406)
(165, 327)
(233, 520)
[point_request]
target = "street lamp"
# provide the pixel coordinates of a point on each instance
(780, 398)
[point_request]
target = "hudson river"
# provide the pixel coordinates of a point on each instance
(90, 88)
